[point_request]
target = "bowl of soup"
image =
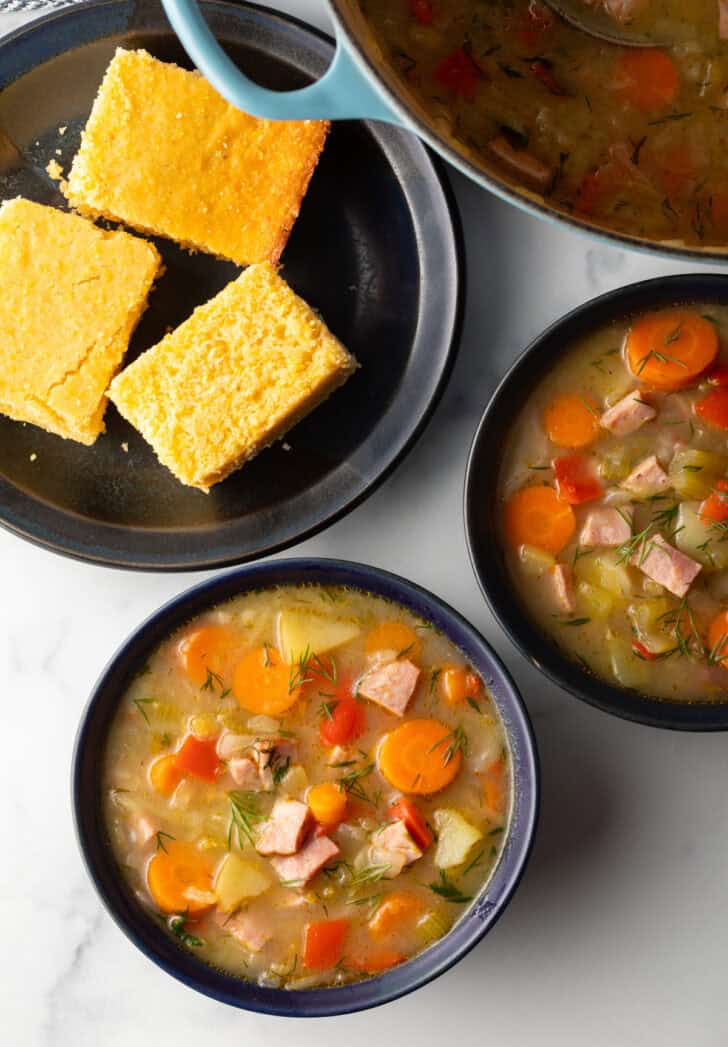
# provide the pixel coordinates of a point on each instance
(597, 501)
(619, 141)
(305, 787)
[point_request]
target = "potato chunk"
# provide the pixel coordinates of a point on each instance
(301, 630)
(237, 880)
(455, 837)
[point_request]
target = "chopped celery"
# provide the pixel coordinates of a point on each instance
(203, 725)
(432, 926)
(693, 473)
(616, 463)
(648, 619)
(700, 540)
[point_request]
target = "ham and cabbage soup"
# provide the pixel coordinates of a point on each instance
(632, 139)
(306, 786)
(614, 491)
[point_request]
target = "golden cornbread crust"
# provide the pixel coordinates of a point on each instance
(71, 297)
(165, 153)
(232, 379)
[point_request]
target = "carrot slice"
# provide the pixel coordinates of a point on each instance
(715, 507)
(494, 786)
(571, 420)
(263, 683)
(718, 638)
(713, 408)
(198, 757)
(165, 775)
(377, 961)
(671, 348)
(207, 650)
(457, 684)
(647, 78)
(177, 875)
(327, 802)
(421, 756)
(323, 942)
(414, 821)
(394, 636)
(537, 516)
(395, 912)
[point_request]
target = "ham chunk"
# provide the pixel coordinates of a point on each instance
(521, 163)
(667, 566)
(606, 527)
(562, 587)
(286, 828)
(647, 478)
(252, 929)
(302, 867)
(253, 768)
(629, 415)
(394, 848)
(244, 772)
(391, 685)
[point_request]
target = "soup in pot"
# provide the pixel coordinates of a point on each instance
(633, 139)
(306, 786)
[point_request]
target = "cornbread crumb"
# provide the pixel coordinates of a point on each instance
(165, 153)
(232, 379)
(33, 456)
(54, 169)
(62, 130)
(71, 297)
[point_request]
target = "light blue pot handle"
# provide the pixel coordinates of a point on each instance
(343, 92)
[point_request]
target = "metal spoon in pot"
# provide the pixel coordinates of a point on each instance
(596, 22)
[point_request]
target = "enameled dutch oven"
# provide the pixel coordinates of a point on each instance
(361, 84)
(145, 931)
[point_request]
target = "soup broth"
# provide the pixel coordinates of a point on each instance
(614, 500)
(306, 786)
(631, 139)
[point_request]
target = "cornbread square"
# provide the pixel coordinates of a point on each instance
(71, 297)
(232, 379)
(165, 153)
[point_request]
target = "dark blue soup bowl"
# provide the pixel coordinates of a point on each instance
(483, 507)
(147, 935)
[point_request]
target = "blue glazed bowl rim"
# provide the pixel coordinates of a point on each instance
(480, 495)
(153, 941)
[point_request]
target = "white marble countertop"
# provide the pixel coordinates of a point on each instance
(618, 932)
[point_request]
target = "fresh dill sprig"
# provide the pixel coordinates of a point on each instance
(244, 816)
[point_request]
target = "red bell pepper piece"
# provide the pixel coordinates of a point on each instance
(414, 822)
(575, 479)
(198, 757)
(344, 720)
(460, 73)
(542, 71)
(643, 652)
(713, 408)
(323, 942)
(423, 11)
(715, 507)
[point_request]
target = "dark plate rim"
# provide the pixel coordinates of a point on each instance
(373, 992)
(87, 548)
(490, 571)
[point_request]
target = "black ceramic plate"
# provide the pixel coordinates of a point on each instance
(376, 250)
(481, 502)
